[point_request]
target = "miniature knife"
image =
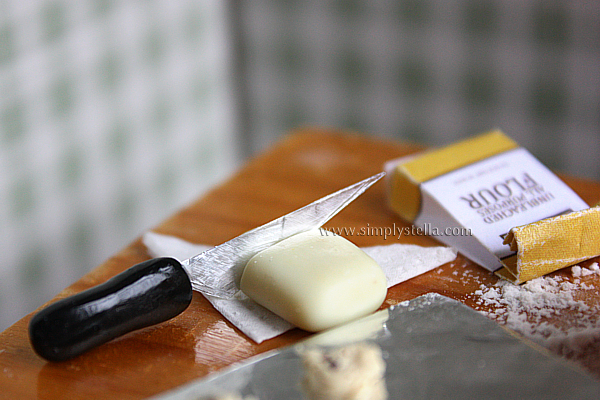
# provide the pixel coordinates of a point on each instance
(159, 289)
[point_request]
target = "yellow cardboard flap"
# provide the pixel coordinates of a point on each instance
(551, 244)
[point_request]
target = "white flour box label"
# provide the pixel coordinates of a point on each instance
(475, 191)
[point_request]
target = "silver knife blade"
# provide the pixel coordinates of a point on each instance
(216, 272)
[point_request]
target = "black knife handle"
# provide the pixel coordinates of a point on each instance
(146, 294)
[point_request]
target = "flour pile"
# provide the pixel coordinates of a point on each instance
(526, 309)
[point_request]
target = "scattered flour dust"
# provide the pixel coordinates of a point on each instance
(527, 308)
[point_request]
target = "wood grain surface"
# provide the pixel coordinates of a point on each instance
(302, 167)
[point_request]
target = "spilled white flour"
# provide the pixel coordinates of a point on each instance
(527, 308)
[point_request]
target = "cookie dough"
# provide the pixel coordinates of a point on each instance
(352, 372)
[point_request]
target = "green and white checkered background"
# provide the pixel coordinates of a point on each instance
(112, 115)
(432, 71)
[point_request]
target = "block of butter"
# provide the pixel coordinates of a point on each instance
(315, 281)
(470, 194)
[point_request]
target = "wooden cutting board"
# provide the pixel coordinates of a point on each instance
(301, 168)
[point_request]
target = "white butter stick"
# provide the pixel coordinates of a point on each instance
(315, 281)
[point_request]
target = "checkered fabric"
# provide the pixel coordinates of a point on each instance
(431, 71)
(112, 115)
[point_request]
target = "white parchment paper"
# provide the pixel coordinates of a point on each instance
(399, 262)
